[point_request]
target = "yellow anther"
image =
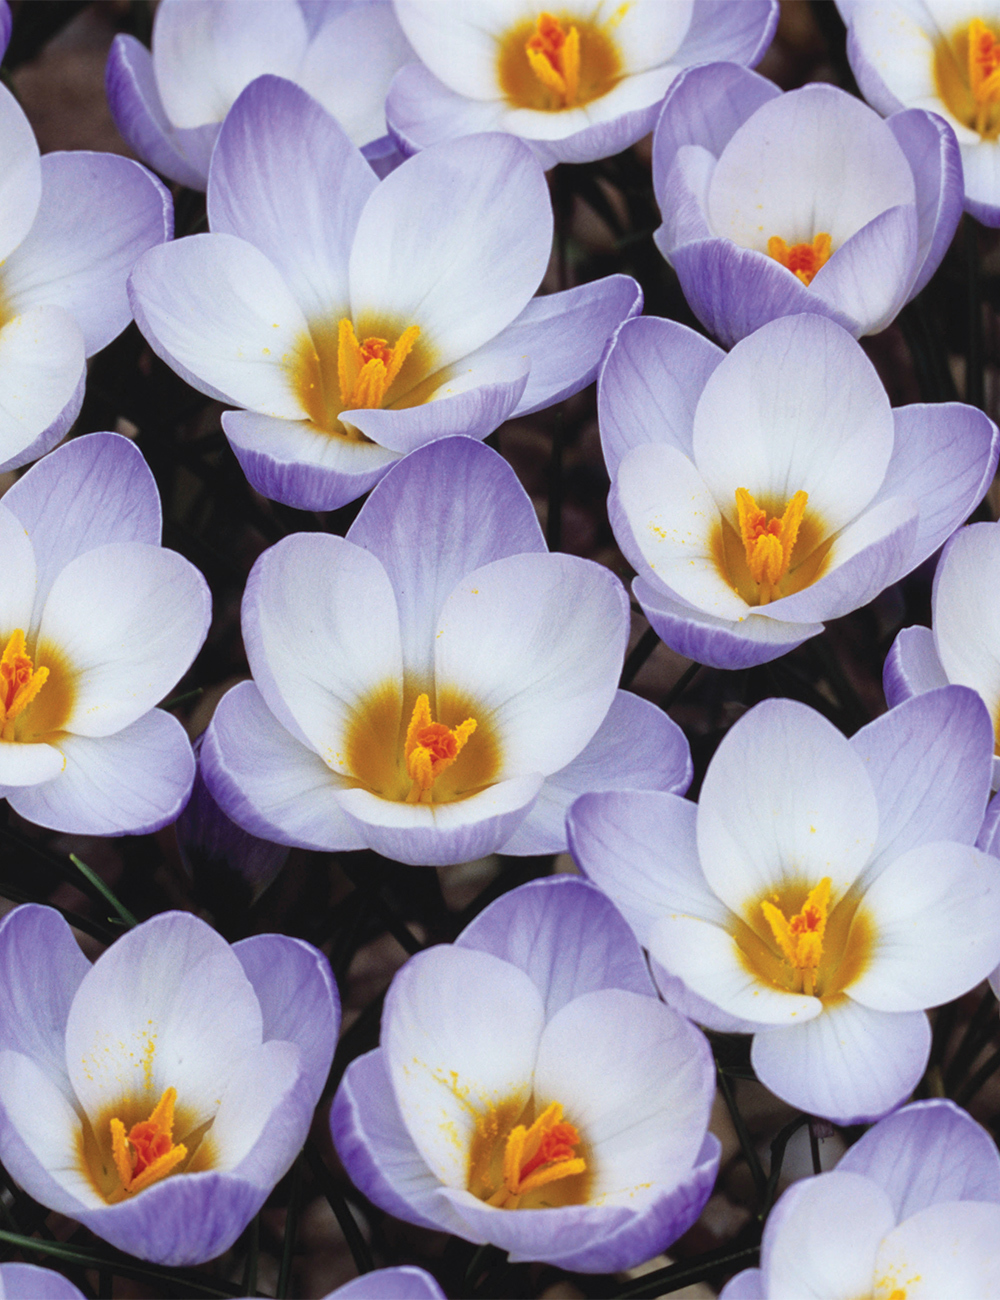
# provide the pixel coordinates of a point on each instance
(430, 749)
(147, 1153)
(768, 541)
(554, 56)
(804, 260)
(984, 71)
(536, 1156)
(366, 371)
(20, 682)
(801, 938)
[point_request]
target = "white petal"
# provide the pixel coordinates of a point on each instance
(260, 1083)
(17, 578)
(20, 167)
(946, 1249)
(967, 613)
(41, 365)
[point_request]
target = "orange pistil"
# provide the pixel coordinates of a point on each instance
(768, 541)
(430, 748)
(801, 938)
(536, 1156)
(984, 71)
(366, 370)
(147, 1153)
(803, 260)
(20, 682)
(554, 56)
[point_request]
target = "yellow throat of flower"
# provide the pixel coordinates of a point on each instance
(967, 77)
(506, 1168)
(558, 62)
(20, 682)
(430, 749)
(803, 260)
(800, 938)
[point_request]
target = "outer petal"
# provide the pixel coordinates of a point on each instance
(98, 213)
(966, 623)
(932, 152)
(566, 937)
(41, 382)
(729, 29)
(405, 1283)
(850, 1064)
(129, 783)
(636, 747)
(20, 191)
(27, 764)
(747, 1285)
(912, 666)
(420, 111)
(265, 1113)
(28, 1282)
(869, 277)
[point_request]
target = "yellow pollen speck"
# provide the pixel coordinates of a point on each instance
(803, 260)
(430, 748)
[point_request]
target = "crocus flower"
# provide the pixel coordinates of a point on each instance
(943, 56)
(436, 685)
(71, 227)
(912, 1211)
(29, 1282)
(97, 623)
(357, 320)
(170, 103)
(759, 493)
(404, 1283)
(581, 82)
(531, 1091)
(963, 644)
(774, 204)
(820, 895)
(158, 1095)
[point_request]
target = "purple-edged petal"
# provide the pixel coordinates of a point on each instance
(404, 1283)
(966, 626)
(130, 783)
(265, 1112)
(287, 179)
(987, 837)
(676, 994)
(448, 509)
(687, 182)
(869, 276)
(649, 385)
(29, 1282)
(566, 937)
(636, 747)
(39, 1133)
(927, 1153)
(747, 1285)
(912, 666)
(21, 187)
(729, 29)
(932, 152)
(41, 382)
(270, 783)
(98, 214)
(420, 110)
(850, 1064)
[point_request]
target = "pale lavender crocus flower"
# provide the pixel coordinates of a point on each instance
(774, 204)
(912, 1212)
(531, 1090)
(821, 894)
(354, 320)
(158, 1095)
(762, 492)
(580, 82)
(436, 685)
(97, 623)
(169, 103)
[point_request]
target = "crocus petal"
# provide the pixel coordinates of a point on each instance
(943, 1248)
(849, 1064)
(567, 938)
(263, 1117)
(687, 182)
(270, 783)
(21, 189)
(932, 152)
(966, 624)
(912, 666)
(678, 995)
(636, 747)
(404, 1283)
(979, 169)
(24, 765)
(747, 1285)
(98, 213)
(420, 110)
(649, 385)
(41, 376)
(729, 29)
(868, 278)
(286, 178)
(130, 783)
(17, 581)
(935, 916)
(29, 1282)
(456, 42)
(929, 1152)
(448, 509)
(433, 235)
(447, 1056)
(219, 313)
(154, 610)
(891, 52)
(785, 798)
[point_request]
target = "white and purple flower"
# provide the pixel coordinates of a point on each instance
(533, 1092)
(804, 202)
(820, 895)
(158, 1095)
(759, 493)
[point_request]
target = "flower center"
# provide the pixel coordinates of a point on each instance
(967, 77)
(801, 938)
(803, 260)
(430, 749)
(506, 1168)
(20, 682)
(768, 542)
(147, 1152)
(558, 62)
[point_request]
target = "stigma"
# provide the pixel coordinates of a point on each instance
(803, 260)
(769, 542)
(430, 749)
(366, 371)
(147, 1152)
(20, 682)
(554, 56)
(800, 938)
(536, 1156)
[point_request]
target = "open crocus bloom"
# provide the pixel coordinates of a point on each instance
(170, 104)
(71, 227)
(435, 685)
(912, 1212)
(774, 204)
(97, 623)
(158, 1095)
(943, 56)
(963, 646)
(580, 82)
(758, 493)
(820, 895)
(531, 1090)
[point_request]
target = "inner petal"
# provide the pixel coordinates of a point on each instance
(967, 76)
(558, 62)
(523, 1160)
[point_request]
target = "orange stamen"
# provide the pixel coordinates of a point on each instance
(365, 371)
(554, 56)
(20, 682)
(801, 938)
(430, 748)
(768, 542)
(984, 70)
(147, 1153)
(803, 260)
(536, 1156)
